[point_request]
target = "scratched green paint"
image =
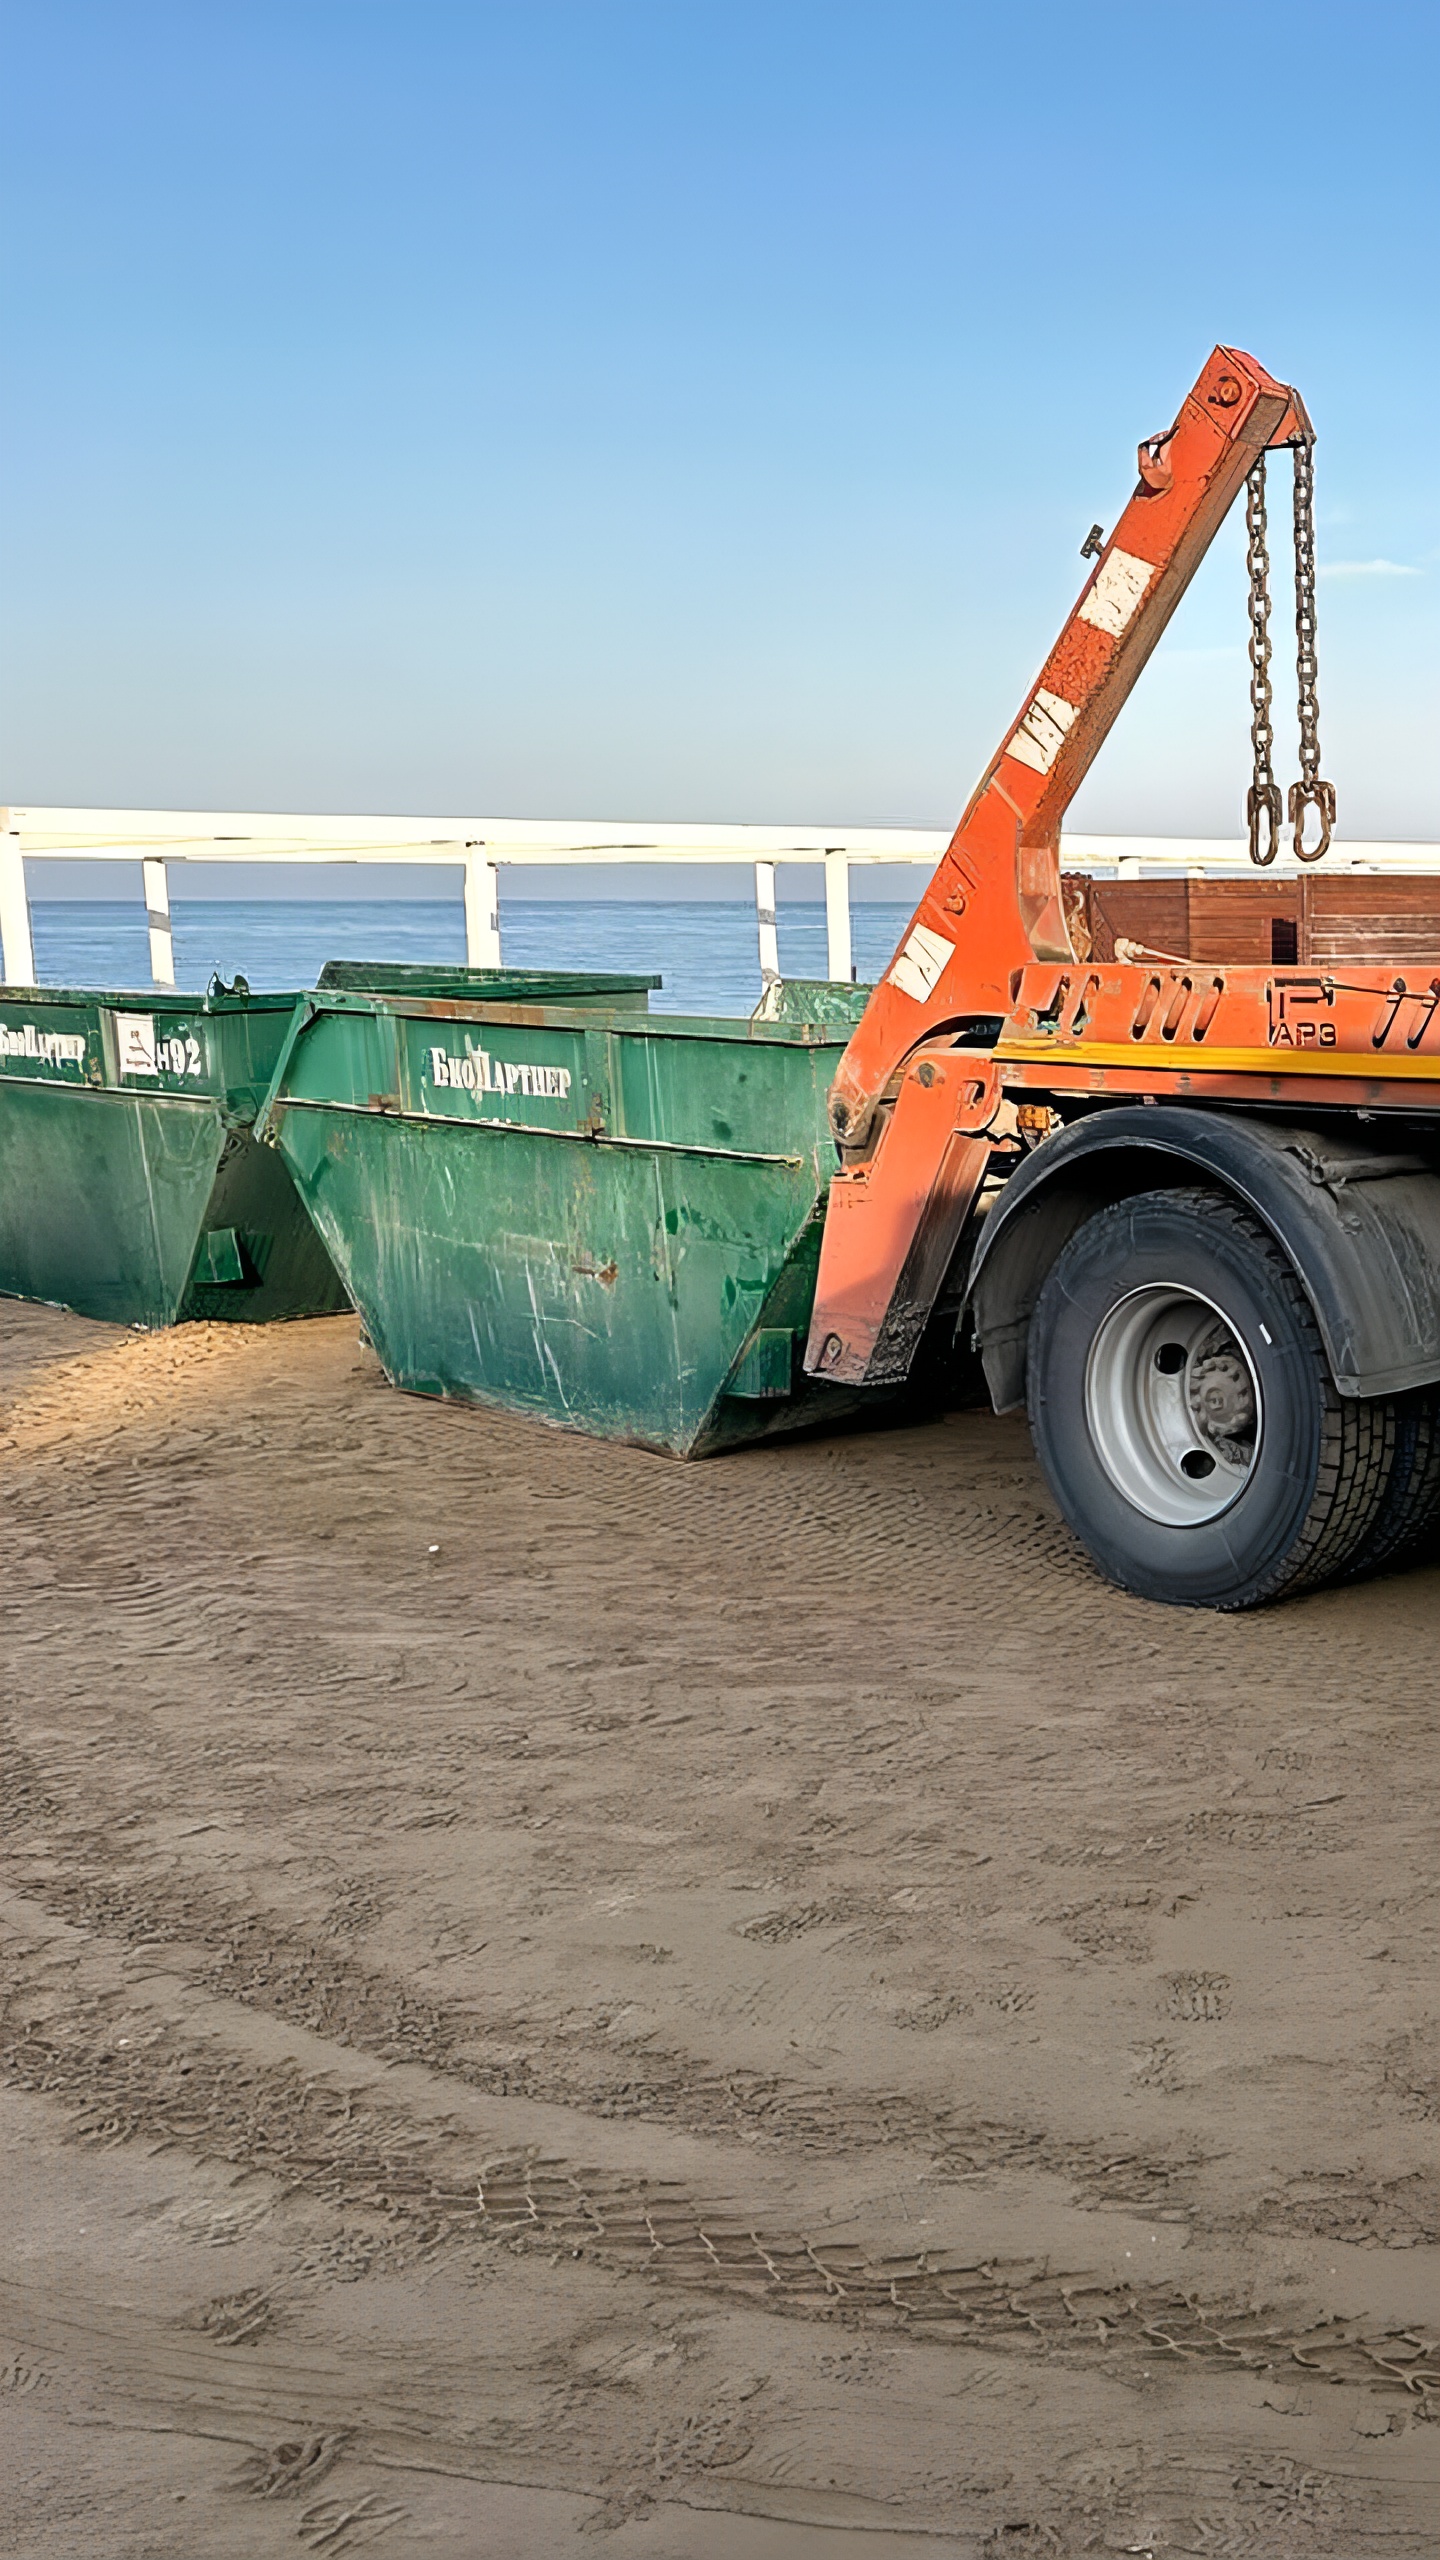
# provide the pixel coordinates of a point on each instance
(606, 1219)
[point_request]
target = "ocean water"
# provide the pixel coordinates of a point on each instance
(704, 952)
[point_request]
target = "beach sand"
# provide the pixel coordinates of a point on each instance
(750, 2010)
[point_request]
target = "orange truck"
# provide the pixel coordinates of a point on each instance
(1197, 1207)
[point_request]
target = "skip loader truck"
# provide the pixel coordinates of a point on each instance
(1186, 1204)
(1197, 1206)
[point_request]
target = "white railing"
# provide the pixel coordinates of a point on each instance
(480, 848)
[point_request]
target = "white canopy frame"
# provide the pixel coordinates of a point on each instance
(481, 848)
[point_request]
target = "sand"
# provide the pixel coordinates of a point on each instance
(753, 2009)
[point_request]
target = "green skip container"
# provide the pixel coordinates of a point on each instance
(131, 1183)
(607, 1218)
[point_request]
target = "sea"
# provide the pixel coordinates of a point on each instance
(704, 952)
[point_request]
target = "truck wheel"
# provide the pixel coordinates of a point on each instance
(1184, 1412)
(1406, 1527)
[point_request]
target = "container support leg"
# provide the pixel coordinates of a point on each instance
(157, 918)
(482, 910)
(765, 924)
(840, 963)
(15, 941)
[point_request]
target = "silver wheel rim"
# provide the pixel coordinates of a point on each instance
(1173, 1405)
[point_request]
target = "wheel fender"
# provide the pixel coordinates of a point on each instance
(1360, 1224)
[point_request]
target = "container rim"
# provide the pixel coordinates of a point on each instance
(159, 999)
(740, 1028)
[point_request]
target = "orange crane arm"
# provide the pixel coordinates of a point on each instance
(994, 904)
(994, 901)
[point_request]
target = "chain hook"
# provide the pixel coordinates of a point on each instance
(1264, 810)
(1319, 796)
(1263, 805)
(1309, 792)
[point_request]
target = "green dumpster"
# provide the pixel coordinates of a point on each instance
(131, 1183)
(606, 1218)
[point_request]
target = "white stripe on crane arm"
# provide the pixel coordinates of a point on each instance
(1041, 734)
(921, 964)
(1119, 585)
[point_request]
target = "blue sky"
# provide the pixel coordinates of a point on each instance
(688, 411)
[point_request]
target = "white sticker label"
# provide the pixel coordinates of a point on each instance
(1117, 590)
(920, 966)
(480, 1073)
(1041, 734)
(41, 1048)
(140, 1053)
(135, 1044)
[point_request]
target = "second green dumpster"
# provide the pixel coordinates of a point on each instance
(131, 1185)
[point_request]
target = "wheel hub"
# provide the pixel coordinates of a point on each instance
(1173, 1405)
(1221, 1396)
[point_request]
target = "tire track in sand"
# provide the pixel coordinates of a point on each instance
(337, 2147)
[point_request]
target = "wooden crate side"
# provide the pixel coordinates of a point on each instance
(1234, 921)
(1371, 917)
(1330, 917)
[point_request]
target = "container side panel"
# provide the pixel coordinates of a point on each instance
(101, 1200)
(760, 1097)
(535, 1074)
(349, 1059)
(607, 1289)
(55, 1042)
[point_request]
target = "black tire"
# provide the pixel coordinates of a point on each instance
(1293, 1473)
(1406, 1528)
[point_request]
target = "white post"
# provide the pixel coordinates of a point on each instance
(482, 910)
(765, 924)
(157, 917)
(837, 915)
(15, 944)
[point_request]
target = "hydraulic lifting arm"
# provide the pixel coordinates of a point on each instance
(910, 1103)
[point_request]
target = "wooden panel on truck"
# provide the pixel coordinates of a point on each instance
(1239, 922)
(1374, 916)
(1315, 921)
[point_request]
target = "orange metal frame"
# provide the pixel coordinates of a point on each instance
(985, 997)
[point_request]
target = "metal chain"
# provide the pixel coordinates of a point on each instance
(1263, 805)
(1309, 792)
